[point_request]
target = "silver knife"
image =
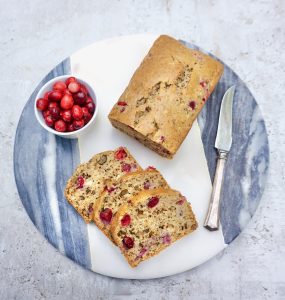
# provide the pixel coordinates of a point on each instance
(223, 145)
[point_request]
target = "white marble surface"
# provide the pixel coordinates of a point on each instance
(248, 35)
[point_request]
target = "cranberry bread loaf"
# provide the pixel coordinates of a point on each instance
(165, 95)
(152, 221)
(121, 192)
(89, 179)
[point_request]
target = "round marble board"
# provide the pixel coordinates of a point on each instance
(44, 162)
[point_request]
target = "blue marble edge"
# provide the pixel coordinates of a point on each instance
(248, 162)
(29, 151)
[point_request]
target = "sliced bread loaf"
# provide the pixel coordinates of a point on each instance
(89, 179)
(121, 192)
(152, 221)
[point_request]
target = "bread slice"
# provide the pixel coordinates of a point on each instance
(89, 179)
(121, 192)
(152, 221)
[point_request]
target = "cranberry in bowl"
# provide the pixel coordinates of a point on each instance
(66, 106)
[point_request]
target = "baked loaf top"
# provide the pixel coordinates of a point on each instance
(165, 95)
(152, 221)
(89, 179)
(121, 192)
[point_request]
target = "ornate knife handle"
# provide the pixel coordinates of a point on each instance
(213, 215)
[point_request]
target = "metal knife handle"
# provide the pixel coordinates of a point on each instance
(213, 215)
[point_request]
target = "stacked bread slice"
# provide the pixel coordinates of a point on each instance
(136, 209)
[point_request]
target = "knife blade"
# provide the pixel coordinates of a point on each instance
(223, 145)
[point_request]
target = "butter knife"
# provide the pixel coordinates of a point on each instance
(223, 145)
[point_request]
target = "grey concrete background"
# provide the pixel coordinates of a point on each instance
(248, 35)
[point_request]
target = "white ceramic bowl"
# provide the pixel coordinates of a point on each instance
(48, 87)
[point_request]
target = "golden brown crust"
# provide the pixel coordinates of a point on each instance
(157, 109)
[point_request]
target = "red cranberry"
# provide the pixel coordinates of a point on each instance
(66, 115)
(126, 167)
(109, 189)
(42, 104)
(89, 100)
(91, 107)
(192, 105)
(54, 113)
(80, 182)
(80, 98)
(47, 94)
(166, 239)
(66, 102)
(90, 208)
(49, 121)
(46, 113)
(55, 96)
(121, 154)
(181, 201)
(77, 112)
(52, 104)
(86, 115)
(122, 103)
(106, 215)
(126, 220)
(70, 127)
(74, 87)
(153, 202)
(84, 89)
(149, 168)
(60, 86)
(203, 84)
(69, 79)
(162, 138)
(60, 126)
(77, 124)
(128, 242)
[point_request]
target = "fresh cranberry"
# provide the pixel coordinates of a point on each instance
(42, 104)
(106, 215)
(146, 185)
(69, 79)
(49, 121)
(66, 102)
(55, 96)
(47, 94)
(80, 98)
(143, 251)
(126, 220)
(46, 113)
(89, 100)
(192, 105)
(70, 127)
(84, 89)
(203, 99)
(77, 124)
(149, 168)
(52, 104)
(153, 202)
(128, 242)
(91, 107)
(80, 182)
(86, 115)
(60, 126)
(60, 86)
(74, 87)
(122, 103)
(121, 154)
(77, 112)
(126, 167)
(54, 113)
(203, 84)
(67, 115)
